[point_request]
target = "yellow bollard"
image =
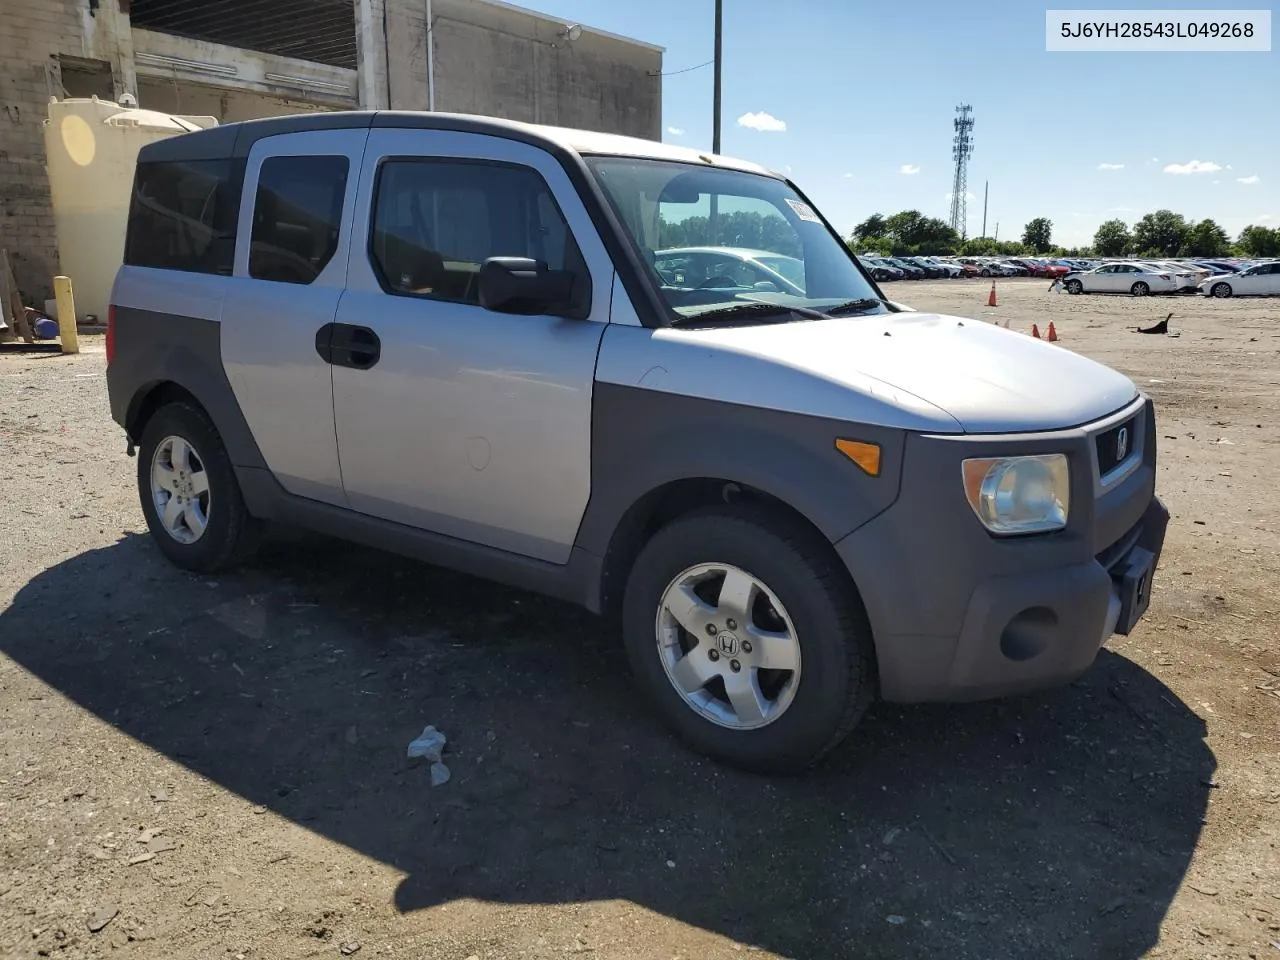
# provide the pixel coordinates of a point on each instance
(66, 315)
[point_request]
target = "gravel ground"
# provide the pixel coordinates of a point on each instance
(194, 767)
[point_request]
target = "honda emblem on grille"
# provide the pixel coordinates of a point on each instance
(1122, 443)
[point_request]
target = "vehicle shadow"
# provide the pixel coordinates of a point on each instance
(1057, 825)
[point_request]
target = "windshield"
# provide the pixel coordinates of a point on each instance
(720, 238)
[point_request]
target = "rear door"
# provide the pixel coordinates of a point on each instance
(450, 417)
(1262, 280)
(293, 243)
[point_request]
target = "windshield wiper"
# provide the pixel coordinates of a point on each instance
(743, 311)
(854, 306)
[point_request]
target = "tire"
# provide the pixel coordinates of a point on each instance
(984, 274)
(1140, 289)
(229, 534)
(1221, 290)
(816, 705)
(1075, 287)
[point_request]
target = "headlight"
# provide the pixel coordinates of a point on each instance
(1019, 494)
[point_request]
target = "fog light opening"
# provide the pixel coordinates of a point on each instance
(1029, 633)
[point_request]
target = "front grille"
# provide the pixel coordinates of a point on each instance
(1115, 445)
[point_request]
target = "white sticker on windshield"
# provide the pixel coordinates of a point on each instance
(804, 211)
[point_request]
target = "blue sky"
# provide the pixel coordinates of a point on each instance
(867, 93)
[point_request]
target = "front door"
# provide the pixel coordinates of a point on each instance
(450, 417)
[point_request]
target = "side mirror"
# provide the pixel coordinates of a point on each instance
(521, 285)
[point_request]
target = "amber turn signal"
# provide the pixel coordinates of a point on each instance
(865, 455)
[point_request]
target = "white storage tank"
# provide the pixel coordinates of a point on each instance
(91, 148)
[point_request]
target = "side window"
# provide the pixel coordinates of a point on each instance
(182, 216)
(435, 222)
(297, 215)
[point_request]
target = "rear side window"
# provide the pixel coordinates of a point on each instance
(297, 216)
(183, 216)
(435, 222)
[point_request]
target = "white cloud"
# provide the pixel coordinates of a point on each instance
(1266, 216)
(968, 196)
(764, 122)
(1155, 159)
(675, 131)
(1194, 166)
(1216, 182)
(1251, 179)
(1111, 166)
(848, 176)
(910, 169)
(1122, 209)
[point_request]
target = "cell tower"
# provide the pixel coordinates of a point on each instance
(961, 150)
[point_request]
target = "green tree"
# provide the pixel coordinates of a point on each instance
(1206, 239)
(987, 247)
(1259, 242)
(1112, 239)
(869, 229)
(1038, 234)
(880, 245)
(1160, 234)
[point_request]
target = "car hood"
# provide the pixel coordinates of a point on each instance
(984, 377)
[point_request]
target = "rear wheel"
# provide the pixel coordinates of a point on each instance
(1222, 290)
(189, 492)
(751, 644)
(1140, 289)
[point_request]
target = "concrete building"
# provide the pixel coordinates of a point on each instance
(242, 59)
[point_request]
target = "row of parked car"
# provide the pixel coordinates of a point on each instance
(884, 268)
(1226, 277)
(1213, 278)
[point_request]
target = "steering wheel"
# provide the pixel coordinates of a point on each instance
(721, 281)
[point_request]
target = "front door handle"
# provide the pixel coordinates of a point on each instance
(348, 345)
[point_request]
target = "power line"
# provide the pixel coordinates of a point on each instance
(672, 73)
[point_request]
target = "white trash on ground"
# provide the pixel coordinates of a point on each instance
(429, 746)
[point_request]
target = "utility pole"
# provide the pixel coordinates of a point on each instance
(986, 185)
(715, 97)
(714, 219)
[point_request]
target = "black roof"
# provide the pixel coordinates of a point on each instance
(235, 140)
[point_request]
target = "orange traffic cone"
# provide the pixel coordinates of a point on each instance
(1035, 331)
(991, 297)
(1053, 334)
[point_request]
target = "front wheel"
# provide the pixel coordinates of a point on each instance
(1221, 290)
(1075, 286)
(190, 496)
(750, 642)
(1140, 289)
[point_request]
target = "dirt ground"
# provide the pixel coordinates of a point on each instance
(209, 768)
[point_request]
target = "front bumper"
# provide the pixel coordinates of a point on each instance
(960, 615)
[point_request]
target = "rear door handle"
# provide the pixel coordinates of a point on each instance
(348, 345)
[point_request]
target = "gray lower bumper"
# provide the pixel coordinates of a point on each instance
(970, 624)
